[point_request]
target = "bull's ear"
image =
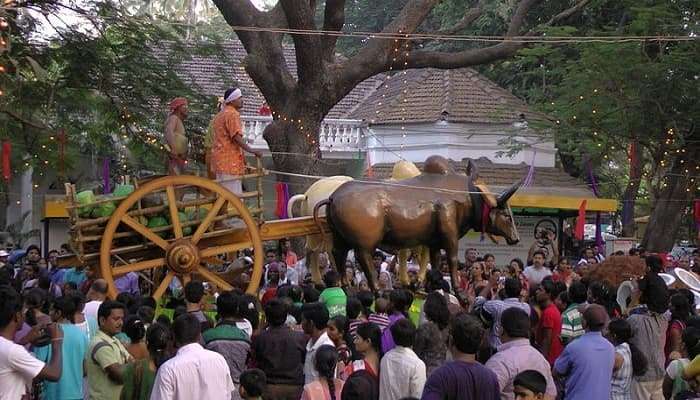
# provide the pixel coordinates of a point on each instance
(508, 193)
(472, 171)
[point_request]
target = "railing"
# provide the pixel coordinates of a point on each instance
(335, 134)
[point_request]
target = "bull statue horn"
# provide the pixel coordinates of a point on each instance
(508, 193)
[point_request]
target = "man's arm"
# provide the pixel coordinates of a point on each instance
(239, 141)
(106, 360)
(52, 370)
(546, 341)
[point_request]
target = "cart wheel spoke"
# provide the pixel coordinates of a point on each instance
(139, 266)
(174, 217)
(208, 219)
(163, 285)
(186, 278)
(229, 248)
(147, 233)
(213, 278)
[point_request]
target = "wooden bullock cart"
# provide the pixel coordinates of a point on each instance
(223, 224)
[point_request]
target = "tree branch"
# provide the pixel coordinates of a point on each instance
(14, 115)
(333, 20)
(469, 16)
(306, 47)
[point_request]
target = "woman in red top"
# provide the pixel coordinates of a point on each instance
(368, 342)
(549, 327)
(285, 248)
(680, 313)
(564, 272)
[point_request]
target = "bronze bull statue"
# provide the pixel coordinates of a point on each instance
(432, 209)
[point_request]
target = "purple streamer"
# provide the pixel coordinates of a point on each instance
(599, 232)
(105, 176)
(530, 177)
(285, 197)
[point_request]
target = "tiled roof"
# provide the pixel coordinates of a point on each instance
(213, 74)
(547, 181)
(416, 96)
(423, 95)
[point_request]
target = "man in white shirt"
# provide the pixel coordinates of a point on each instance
(402, 373)
(18, 368)
(537, 271)
(314, 319)
(97, 295)
(194, 372)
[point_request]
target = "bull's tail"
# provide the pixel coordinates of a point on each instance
(327, 203)
(292, 200)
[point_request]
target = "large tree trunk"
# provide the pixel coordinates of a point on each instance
(670, 204)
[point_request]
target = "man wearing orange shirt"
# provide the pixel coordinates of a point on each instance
(228, 144)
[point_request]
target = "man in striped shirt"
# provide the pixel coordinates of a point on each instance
(571, 319)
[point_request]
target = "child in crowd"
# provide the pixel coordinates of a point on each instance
(253, 384)
(529, 385)
(381, 313)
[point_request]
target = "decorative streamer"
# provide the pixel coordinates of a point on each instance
(6, 153)
(530, 177)
(282, 191)
(105, 175)
(598, 220)
(581, 221)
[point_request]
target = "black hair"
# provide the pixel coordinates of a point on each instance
(549, 287)
(436, 309)
(577, 292)
(633, 251)
(10, 305)
(127, 299)
(531, 380)
(654, 293)
(295, 293)
(99, 286)
(227, 305)
(275, 312)
(311, 295)
(654, 263)
(512, 287)
(353, 307)
(379, 254)
(367, 299)
(33, 247)
(179, 310)
(317, 313)
(194, 291)
(515, 322)
(361, 385)
(105, 309)
(372, 332)
(681, 308)
(519, 262)
(149, 301)
(164, 320)
(325, 362)
(467, 332)
(248, 309)
(79, 300)
(401, 300)
(253, 381)
(433, 280)
(146, 313)
(540, 252)
(134, 328)
(331, 278)
(67, 306)
(35, 299)
(403, 332)
(228, 92)
(604, 294)
(622, 332)
(158, 338)
(691, 340)
(186, 329)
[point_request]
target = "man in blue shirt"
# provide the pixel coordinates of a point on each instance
(587, 362)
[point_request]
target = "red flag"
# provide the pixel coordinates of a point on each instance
(370, 173)
(580, 221)
(6, 168)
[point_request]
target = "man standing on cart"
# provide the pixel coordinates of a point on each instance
(228, 144)
(175, 138)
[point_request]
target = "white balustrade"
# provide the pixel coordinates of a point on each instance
(334, 134)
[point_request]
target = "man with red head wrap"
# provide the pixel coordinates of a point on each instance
(175, 138)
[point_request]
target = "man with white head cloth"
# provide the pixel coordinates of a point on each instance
(228, 143)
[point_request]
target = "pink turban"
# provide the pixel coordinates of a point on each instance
(177, 103)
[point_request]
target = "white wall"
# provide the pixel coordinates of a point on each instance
(385, 143)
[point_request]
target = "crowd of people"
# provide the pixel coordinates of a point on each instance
(536, 331)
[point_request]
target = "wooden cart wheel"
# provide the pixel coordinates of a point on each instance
(181, 256)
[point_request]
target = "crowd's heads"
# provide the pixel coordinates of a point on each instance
(98, 290)
(512, 287)
(159, 341)
(578, 292)
(515, 323)
(326, 361)
(538, 258)
(654, 293)
(403, 332)
(691, 341)
(681, 307)
(64, 308)
(331, 278)
(314, 316)
(134, 328)
(620, 331)
(466, 332)
(400, 300)
(337, 327)
(186, 329)
(110, 317)
(227, 305)
(194, 292)
(654, 263)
